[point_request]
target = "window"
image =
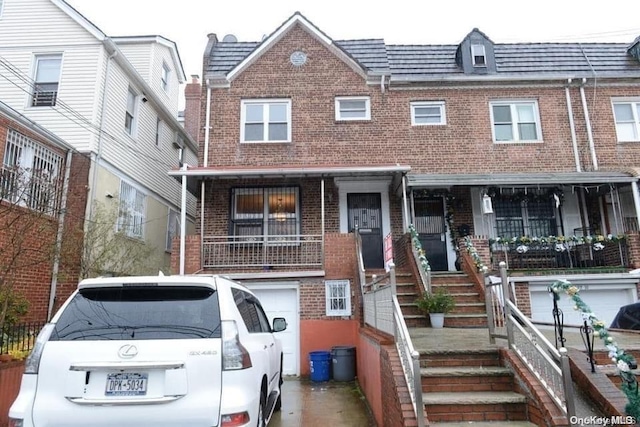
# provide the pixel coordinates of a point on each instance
(158, 132)
(353, 108)
(516, 218)
(251, 311)
(627, 116)
(270, 214)
(427, 113)
(131, 211)
(478, 55)
(515, 121)
(130, 115)
(338, 294)
(164, 78)
(173, 228)
(266, 121)
(1, 4)
(47, 79)
(29, 175)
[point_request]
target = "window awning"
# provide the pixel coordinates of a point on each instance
(497, 179)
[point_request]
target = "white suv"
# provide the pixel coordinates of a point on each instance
(154, 351)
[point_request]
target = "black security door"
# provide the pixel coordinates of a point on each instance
(365, 212)
(430, 225)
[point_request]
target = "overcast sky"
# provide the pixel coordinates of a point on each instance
(187, 22)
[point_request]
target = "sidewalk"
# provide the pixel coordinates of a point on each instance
(332, 403)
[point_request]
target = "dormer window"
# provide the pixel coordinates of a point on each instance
(478, 55)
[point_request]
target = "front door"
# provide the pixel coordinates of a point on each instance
(365, 213)
(430, 225)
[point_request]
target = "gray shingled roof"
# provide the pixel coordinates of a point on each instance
(433, 62)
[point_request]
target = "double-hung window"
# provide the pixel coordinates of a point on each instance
(164, 77)
(627, 117)
(30, 174)
(131, 211)
(338, 297)
(269, 214)
(478, 55)
(353, 108)
(130, 118)
(515, 121)
(46, 81)
(427, 113)
(266, 120)
(173, 228)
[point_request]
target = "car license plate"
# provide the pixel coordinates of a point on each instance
(126, 384)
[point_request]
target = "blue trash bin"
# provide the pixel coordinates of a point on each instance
(319, 364)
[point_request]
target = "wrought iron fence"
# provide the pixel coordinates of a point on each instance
(262, 251)
(558, 253)
(19, 337)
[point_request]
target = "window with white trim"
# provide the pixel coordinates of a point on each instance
(131, 211)
(425, 113)
(353, 108)
(515, 121)
(1, 7)
(30, 174)
(130, 118)
(46, 80)
(164, 77)
(338, 297)
(265, 120)
(627, 117)
(478, 55)
(173, 228)
(269, 214)
(158, 132)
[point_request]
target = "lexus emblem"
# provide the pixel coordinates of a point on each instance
(128, 351)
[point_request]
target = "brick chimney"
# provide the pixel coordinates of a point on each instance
(192, 94)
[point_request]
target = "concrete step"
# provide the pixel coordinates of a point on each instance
(407, 297)
(484, 424)
(465, 320)
(459, 379)
(438, 358)
(455, 288)
(475, 406)
(411, 308)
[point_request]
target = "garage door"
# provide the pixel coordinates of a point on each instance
(604, 301)
(283, 302)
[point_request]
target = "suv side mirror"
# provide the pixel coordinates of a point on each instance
(279, 324)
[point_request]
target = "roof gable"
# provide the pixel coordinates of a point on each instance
(163, 41)
(273, 38)
(80, 19)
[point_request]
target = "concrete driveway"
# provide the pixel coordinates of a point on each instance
(332, 403)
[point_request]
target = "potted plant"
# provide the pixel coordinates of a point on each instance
(436, 305)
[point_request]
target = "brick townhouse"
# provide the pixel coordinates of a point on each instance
(43, 196)
(303, 138)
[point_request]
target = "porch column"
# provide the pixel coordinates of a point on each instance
(183, 218)
(322, 218)
(405, 207)
(636, 201)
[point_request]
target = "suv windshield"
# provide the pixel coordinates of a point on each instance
(140, 313)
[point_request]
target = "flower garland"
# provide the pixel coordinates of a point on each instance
(471, 250)
(625, 363)
(450, 200)
(537, 195)
(526, 240)
(415, 240)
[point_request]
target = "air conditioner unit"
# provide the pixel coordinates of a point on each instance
(487, 206)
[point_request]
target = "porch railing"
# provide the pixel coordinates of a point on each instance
(263, 251)
(549, 365)
(556, 253)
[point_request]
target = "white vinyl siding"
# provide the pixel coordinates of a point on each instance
(46, 80)
(627, 117)
(428, 113)
(515, 121)
(131, 212)
(266, 121)
(338, 297)
(1, 4)
(353, 108)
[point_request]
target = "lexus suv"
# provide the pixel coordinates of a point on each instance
(154, 351)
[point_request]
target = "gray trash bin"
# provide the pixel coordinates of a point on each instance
(344, 363)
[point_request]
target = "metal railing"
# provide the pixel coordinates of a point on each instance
(263, 251)
(557, 253)
(20, 337)
(548, 364)
(382, 311)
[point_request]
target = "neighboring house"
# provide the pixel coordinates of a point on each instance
(42, 195)
(114, 99)
(306, 138)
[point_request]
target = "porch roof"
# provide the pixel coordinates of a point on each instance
(546, 178)
(289, 171)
